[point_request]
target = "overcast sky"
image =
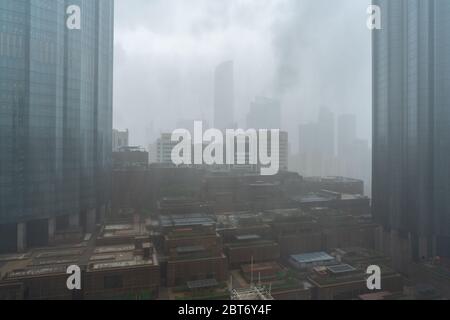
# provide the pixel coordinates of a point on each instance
(307, 53)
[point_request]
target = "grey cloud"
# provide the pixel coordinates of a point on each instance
(308, 53)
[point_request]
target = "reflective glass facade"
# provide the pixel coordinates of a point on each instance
(411, 121)
(55, 108)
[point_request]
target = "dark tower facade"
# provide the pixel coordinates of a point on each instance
(411, 128)
(55, 117)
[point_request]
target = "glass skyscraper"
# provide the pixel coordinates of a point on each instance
(55, 110)
(411, 121)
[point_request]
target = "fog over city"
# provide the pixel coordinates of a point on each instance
(225, 152)
(308, 54)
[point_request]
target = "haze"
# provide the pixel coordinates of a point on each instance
(307, 53)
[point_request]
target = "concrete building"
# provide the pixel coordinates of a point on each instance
(120, 139)
(316, 229)
(296, 232)
(350, 203)
(284, 151)
(118, 262)
(164, 147)
(247, 238)
(283, 286)
(192, 250)
(345, 282)
(130, 158)
(182, 205)
(346, 278)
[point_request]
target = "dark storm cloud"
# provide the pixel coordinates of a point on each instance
(323, 59)
(308, 53)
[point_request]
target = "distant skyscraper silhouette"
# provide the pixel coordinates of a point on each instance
(316, 145)
(326, 134)
(346, 134)
(353, 154)
(265, 113)
(224, 96)
(411, 121)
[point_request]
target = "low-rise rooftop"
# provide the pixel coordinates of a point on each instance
(186, 220)
(312, 257)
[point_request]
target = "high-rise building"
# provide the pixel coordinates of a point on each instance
(411, 122)
(164, 146)
(55, 117)
(224, 96)
(346, 133)
(265, 113)
(284, 151)
(120, 139)
(353, 154)
(326, 133)
(316, 146)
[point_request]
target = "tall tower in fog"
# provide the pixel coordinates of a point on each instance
(411, 123)
(265, 113)
(346, 134)
(326, 134)
(224, 96)
(55, 119)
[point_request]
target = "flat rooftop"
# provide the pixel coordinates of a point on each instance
(124, 230)
(40, 262)
(331, 179)
(344, 273)
(186, 220)
(312, 257)
(249, 237)
(328, 196)
(261, 267)
(341, 269)
(14, 257)
(202, 284)
(52, 261)
(190, 249)
(357, 256)
(34, 272)
(375, 296)
(114, 249)
(252, 243)
(314, 197)
(120, 264)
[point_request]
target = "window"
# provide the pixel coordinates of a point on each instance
(113, 282)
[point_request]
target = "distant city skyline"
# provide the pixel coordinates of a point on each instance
(211, 150)
(297, 52)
